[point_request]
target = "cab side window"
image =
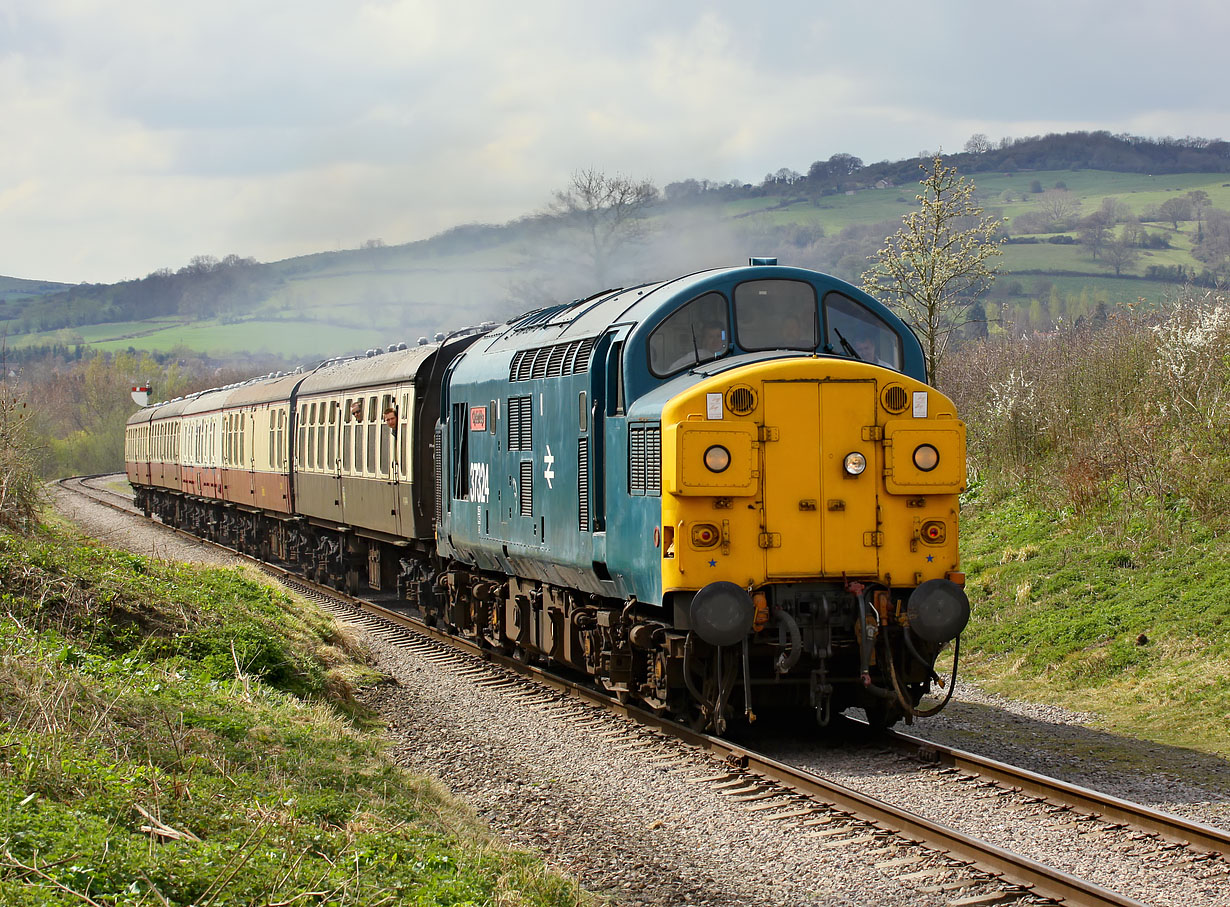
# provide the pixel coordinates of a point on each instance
(859, 333)
(697, 332)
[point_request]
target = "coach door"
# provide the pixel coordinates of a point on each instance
(250, 418)
(402, 461)
(818, 520)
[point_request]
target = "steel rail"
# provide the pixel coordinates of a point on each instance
(1062, 793)
(1013, 870)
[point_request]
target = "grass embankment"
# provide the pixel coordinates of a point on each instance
(174, 735)
(1127, 620)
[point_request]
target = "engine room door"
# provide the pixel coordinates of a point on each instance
(818, 520)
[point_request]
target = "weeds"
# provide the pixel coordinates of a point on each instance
(196, 754)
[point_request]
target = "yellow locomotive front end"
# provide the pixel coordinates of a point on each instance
(811, 506)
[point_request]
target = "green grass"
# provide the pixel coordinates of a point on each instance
(256, 336)
(1061, 603)
(184, 736)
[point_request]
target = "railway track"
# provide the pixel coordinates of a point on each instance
(918, 851)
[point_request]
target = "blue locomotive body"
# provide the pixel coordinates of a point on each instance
(550, 423)
(744, 461)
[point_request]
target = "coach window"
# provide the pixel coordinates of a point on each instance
(857, 332)
(776, 315)
(386, 436)
(332, 461)
(347, 435)
(373, 432)
(358, 439)
(321, 462)
(243, 420)
(698, 332)
(310, 451)
(301, 448)
(404, 458)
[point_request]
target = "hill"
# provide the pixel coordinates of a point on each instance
(1115, 223)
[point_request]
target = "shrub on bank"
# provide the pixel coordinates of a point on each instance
(20, 487)
(1133, 409)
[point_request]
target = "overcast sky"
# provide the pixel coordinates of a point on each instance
(135, 134)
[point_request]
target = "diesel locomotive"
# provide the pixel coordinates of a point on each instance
(724, 494)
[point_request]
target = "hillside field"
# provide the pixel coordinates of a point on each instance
(339, 302)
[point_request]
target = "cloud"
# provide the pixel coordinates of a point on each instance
(135, 136)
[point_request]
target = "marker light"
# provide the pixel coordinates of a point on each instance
(717, 458)
(926, 457)
(704, 535)
(854, 463)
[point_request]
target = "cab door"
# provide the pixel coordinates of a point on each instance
(819, 521)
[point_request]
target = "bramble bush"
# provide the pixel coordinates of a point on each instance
(1131, 409)
(20, 488)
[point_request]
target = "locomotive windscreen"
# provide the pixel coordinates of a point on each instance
(776, 315)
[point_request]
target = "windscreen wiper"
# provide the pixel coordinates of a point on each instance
(845, 345)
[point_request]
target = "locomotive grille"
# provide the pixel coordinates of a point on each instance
(741, 400)
(571, 358)
(894, 398)
(520, 423)
(526, 488)
(645, 459)
(540, 362)
(583, 484)
(653, 460)
(636, 459)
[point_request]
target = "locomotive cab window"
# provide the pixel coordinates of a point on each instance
(698, 332)
(461, 451)
(859, 333)
(776, 315)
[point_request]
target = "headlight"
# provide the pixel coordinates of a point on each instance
(717, 458)
(926, 457)
(854, 463)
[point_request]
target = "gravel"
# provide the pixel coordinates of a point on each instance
(603, 803)
(593, 796)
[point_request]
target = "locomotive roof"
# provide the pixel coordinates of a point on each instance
(591, 316)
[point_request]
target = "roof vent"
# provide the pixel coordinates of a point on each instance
(422, 341)
(754, 261)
